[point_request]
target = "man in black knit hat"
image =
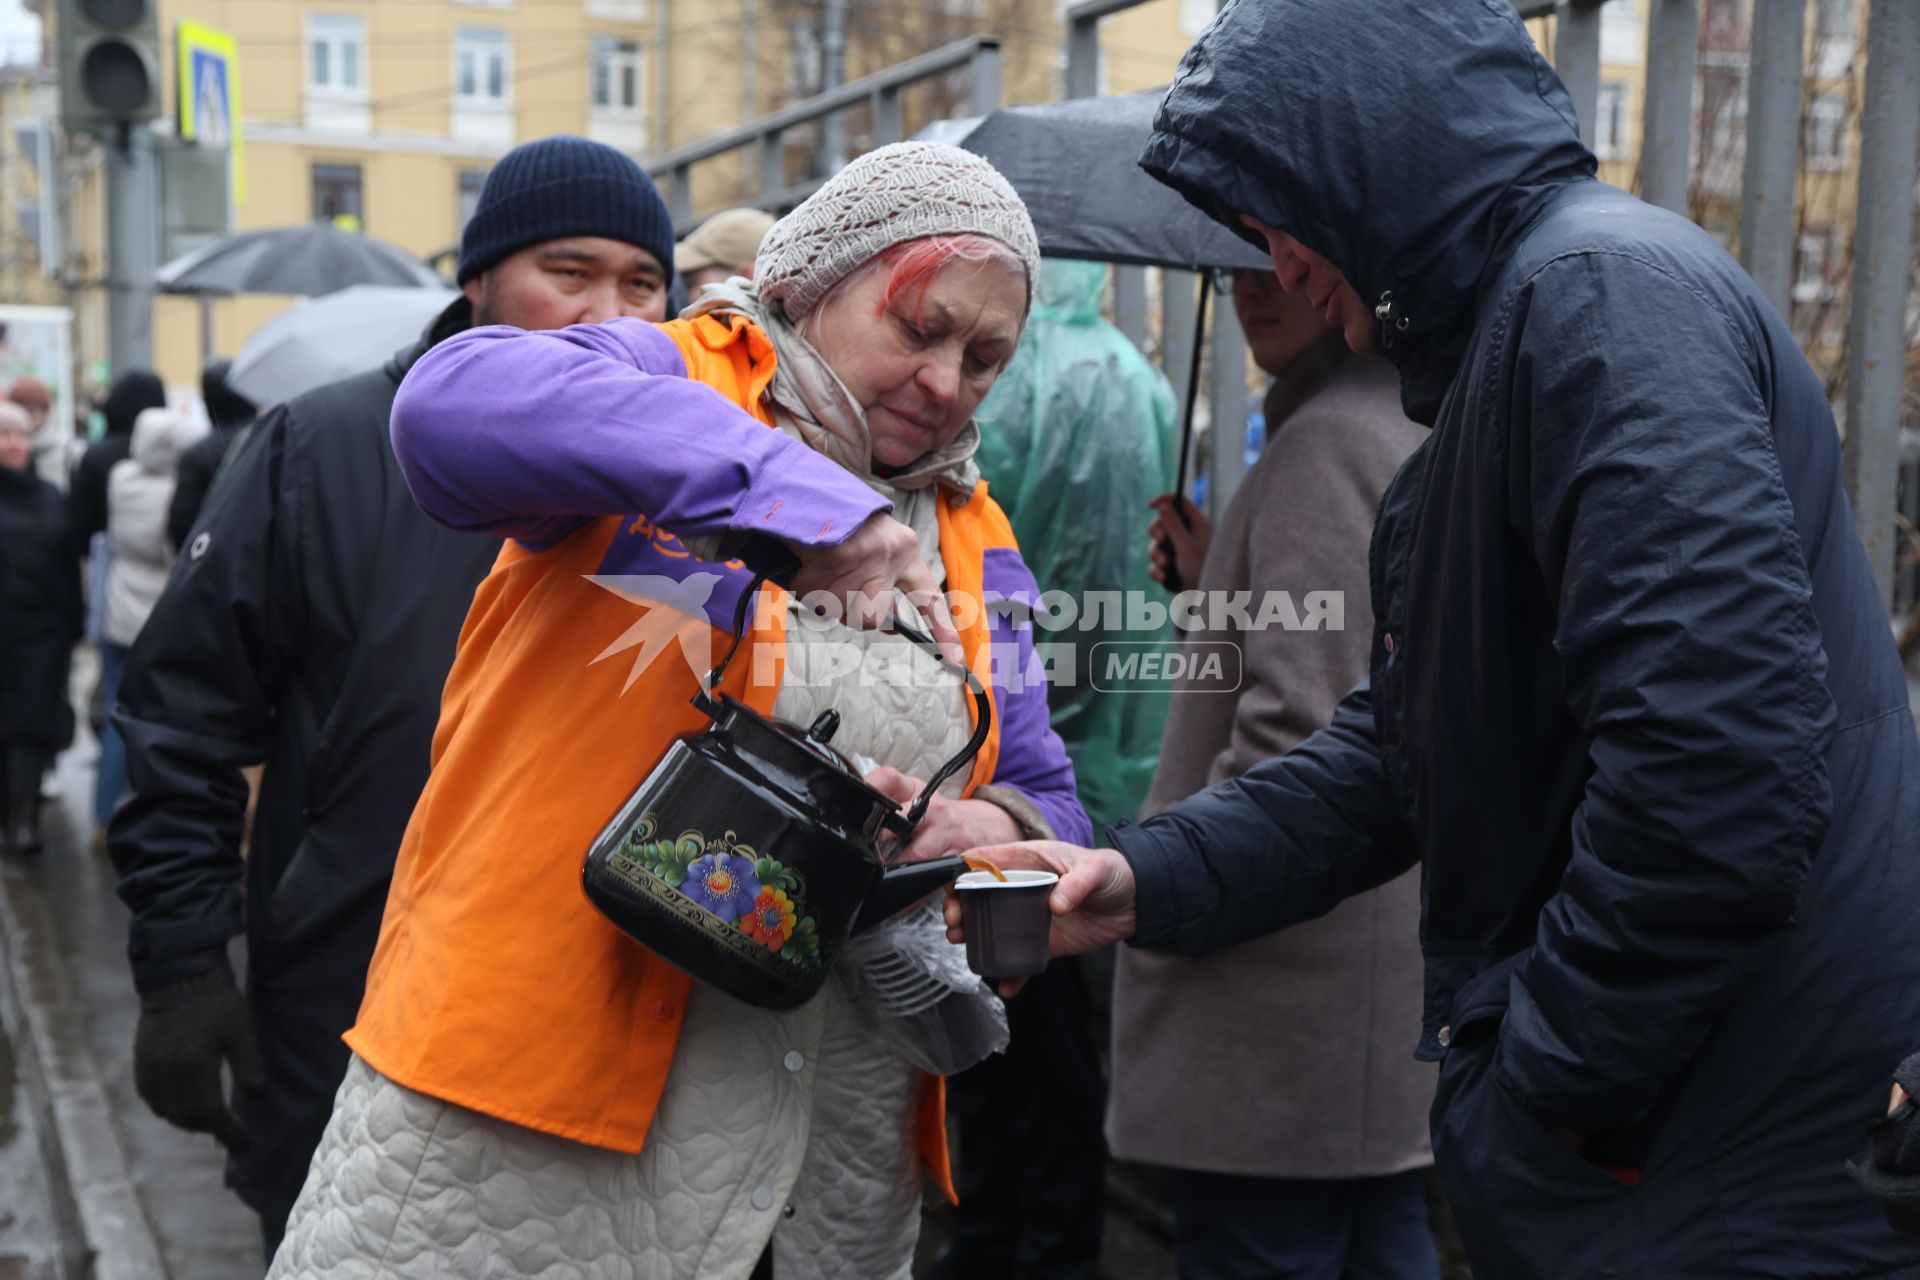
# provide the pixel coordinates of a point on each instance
(308, 626)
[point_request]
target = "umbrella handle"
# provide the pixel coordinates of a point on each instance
(1172, 580)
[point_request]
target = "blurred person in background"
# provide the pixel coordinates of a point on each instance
(228, 415)
(721, 248)
(132, 394)
(1075, 436)
(310, 628)
(1318, 1170)
(40, 617)
(139, 493)
(52, 445)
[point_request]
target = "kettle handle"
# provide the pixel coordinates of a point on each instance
(983, 725)
(703, 696)
(902, 825)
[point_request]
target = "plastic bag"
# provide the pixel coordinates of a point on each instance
(931, 1009)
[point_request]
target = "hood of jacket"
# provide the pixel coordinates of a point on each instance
(133, 394)
(1407, 141)
(160, 436)
(1069, 291)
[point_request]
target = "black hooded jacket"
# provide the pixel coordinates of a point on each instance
(1633, 700)
(308, 626)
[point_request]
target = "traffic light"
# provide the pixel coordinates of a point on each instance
(109, 62)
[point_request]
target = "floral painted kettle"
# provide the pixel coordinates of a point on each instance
(754, 849)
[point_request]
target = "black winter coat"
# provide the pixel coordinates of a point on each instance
(1634, 699)
(40, 610)
(311, 633)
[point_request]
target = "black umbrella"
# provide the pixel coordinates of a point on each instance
(309, 260)
(1073, 164)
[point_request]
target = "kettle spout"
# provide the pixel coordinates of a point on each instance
(900, 886)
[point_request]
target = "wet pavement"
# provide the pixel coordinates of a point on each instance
(176, 1179)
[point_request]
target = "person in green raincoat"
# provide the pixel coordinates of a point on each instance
(1076, 437)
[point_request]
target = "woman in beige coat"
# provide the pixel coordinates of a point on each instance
(1275, 1081)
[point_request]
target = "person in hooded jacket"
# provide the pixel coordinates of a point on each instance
(132, 393)
(139, 493)
(40, 615)
(309, 627)
(230, 413)
(1634, 702)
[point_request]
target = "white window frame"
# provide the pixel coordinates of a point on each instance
(609, 56)
(336, 32)
(490, 50)
(1623, 36)
(1611, 120)
(1826, 142)
(618, 10)
(1810, 263)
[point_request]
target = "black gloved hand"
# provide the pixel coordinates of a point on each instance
(1890, 1170)
(186, 1030)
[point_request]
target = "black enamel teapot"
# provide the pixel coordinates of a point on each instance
(753, 850)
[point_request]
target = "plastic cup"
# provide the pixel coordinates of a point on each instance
(1007, 922)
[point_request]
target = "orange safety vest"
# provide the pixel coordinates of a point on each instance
(496, 985)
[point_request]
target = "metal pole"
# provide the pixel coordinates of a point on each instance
(1576, 56)
(1666, 149)
(1083, 57)
(887, 125)
(984, 93)
(1774, 86)
(1228, 393)
(1176, 325)
(833, 73)
(749, 59)
(663, 84)
(773, 163)
(680, 203)
(52, 251)
(1882, 245)
(132, 248)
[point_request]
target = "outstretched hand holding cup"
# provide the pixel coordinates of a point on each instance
(1092, 905)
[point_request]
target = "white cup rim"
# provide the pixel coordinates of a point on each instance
(1014, 880)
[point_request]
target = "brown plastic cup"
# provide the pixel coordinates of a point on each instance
(1007, 922)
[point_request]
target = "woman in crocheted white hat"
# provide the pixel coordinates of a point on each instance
(533, 1092)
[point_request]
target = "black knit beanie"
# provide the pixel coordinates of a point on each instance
(564, 186)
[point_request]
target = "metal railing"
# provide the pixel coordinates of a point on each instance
(978, 56)
(1883, 227)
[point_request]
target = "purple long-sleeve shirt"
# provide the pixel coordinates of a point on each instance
(530, 435)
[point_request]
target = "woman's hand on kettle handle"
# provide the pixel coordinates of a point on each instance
(878, 560)
(950, 826)
(1093, 905)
